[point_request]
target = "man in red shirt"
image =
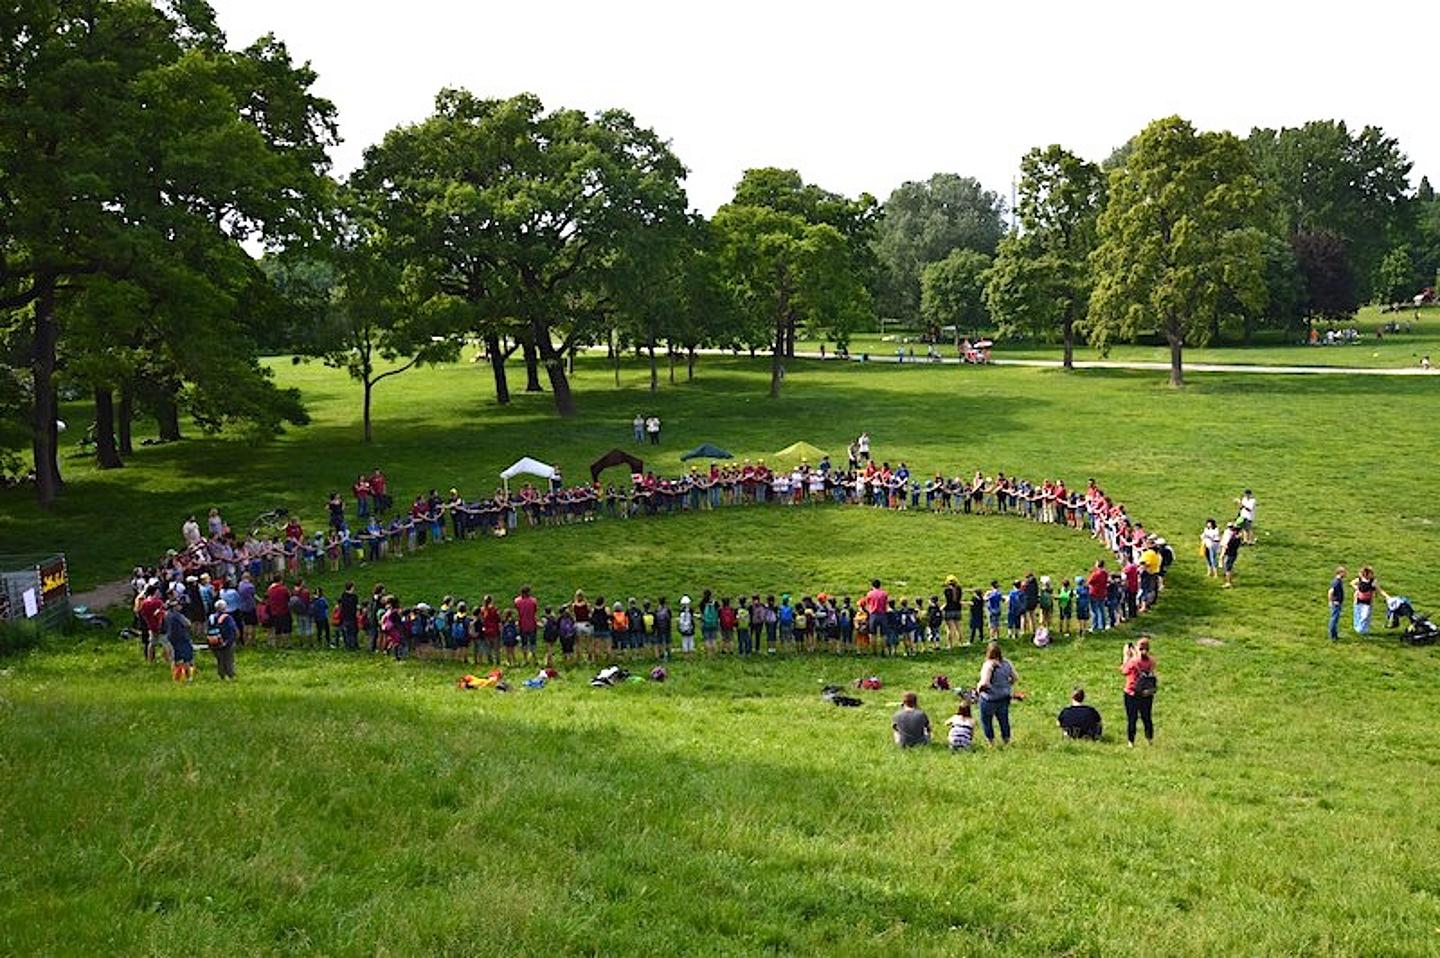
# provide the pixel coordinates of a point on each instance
(1098, 582)
(877, 603)
(378, 491)
(277, 606)
(151, 611)
(362, 496)
(526, 609)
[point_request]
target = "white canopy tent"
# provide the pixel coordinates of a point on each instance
(529, 467)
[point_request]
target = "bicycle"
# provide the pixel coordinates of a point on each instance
(270, 524)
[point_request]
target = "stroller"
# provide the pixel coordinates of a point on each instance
(1419, 630)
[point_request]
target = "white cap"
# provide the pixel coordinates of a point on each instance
(1044, 580)
(684, 600)
(220, 605)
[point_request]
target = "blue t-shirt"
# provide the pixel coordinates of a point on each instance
(992, 600)
(1015, 602)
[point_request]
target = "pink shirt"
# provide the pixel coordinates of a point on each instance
(525, 606)
(877, 600)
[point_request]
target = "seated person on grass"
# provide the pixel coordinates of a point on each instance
(1078, 720)
(911, 724)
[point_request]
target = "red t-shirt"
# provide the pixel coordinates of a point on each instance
(377, 484)
(277, 599)
(877, 600)
(1099, 583)
(525, 606)
(490, 620)
(1132, 669)
(727, 617)
(1132, 577)
(152, 612)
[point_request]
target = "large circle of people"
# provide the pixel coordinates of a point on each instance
(260, 583)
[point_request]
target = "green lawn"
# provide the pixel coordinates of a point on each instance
(1394, 351)
(332, 804)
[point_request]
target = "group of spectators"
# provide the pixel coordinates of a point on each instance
(997, 686)
(1221, 548)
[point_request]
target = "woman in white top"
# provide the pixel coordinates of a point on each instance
(1210, 547)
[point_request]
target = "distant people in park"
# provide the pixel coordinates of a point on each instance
(1079, 720)
(1366, 588)
(652, 429)
(962, 727)
(1245, 521)
(638, 424)
(1425, 362)
(911, 725)
(995, 689)
(361, 491)
(862, 446)
(1335, 597)
(1230, 542)
(190, 530)
(1138, 668)
(1210, 548)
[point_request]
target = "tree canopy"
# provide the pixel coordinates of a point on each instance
(1176, 237)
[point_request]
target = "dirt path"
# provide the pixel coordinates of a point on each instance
(104, 596)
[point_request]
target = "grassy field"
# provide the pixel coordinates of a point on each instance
(1393, 351)
(330, 804)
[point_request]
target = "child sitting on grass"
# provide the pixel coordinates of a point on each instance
(962, 728)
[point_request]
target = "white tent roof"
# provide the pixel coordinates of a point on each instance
(529, 467)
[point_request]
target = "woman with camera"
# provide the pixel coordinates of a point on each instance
(1140, 684)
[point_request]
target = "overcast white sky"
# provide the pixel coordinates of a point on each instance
(863, 96)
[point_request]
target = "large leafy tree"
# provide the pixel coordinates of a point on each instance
(517, 215)
(921, 223)
(1041, 281)
(1321, 177)
(1177, 239)
(1329, 281)
(783, 272)
(952, 291)
(133, 143)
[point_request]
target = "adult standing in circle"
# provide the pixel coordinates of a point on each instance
(1336, 597)
(584, 629)
(350, 617)
(1366, 589)
(877, 605)
(1138, 667)
(222, 635)
(996, 687)
(952, 611)
(527, 610)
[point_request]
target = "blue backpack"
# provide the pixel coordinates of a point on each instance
(457, 628)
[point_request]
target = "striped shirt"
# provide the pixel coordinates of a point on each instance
(962, 731)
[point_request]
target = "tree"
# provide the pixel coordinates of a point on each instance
(130, 138)
(1176, 235)
(1041, 279)
(952, 291)
(921, 223)
(783, 271)
(1323, 178)
(1329, 282)
(518, 214)
(1395, 279)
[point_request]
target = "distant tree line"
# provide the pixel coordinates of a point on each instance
(141, 157)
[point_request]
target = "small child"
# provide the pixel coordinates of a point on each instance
(550, 629)
(1066, 602)
(509, 636)
(320, 615)
(1014, 610)
(962, 728)
(933, 619)
(1082, 606)
(977, 618)
(993, 598)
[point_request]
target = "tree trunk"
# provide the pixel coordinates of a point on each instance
(45, 433)
(497, 367)
(125, 417)
(106, 455)
(1069, 343)
(615, 355)
(790, 338)
(690, 364)
(532, 366)
(369, 386)
(555, 368)
(167, 414)
(776, 354)
(654, 370)
(670, 358)
(1177, 370)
